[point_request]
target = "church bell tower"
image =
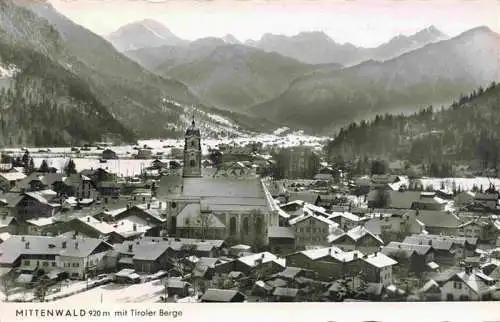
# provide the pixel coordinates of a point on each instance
(192, 152)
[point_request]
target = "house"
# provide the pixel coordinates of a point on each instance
(347, 220)
(429, 201)
(439, 222)
(482, 229)
(488, 200)
(150, 214)
(393, 199)
(468, 285)
(8, 180)
(446, 252)
(377, 268)
(108, 189)
(8, 224)
(31, 205)
(431, 291)
(411, 257)
(205, 267)
(358, 238)
(144, 256)
(464, 198)
(394, 226)
(213, 295)
(281, 239)
(176, 286)
(462, 246)
(311, 229)
(109, 154)
(285, 294)
(79, 257)
(38, 227)
(263, 263)
(144, 154)
(330, 263)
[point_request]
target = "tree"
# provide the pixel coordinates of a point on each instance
(379, 167)
(31, 166)
(7, 283)
(205, 221)
(70, 167)
(26, 158)
(44, 167)
(381, 199)
(41, 288)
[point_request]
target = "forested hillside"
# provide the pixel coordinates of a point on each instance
(467, 132)
(42, 102)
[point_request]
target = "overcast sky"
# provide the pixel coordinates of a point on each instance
(361, 22)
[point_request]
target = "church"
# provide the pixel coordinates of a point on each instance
(227, 202)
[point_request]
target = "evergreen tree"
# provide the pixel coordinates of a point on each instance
(70, 167)
(44, 167)
(31, 166)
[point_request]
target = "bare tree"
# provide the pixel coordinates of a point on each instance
(205, 222)
(7, 283)
(41, 288)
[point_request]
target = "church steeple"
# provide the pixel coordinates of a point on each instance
(192, 152)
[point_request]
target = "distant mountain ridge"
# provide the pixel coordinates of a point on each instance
(318, 48)
(434, 74)
(146, 33)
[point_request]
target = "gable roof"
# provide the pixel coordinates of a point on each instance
(379, 260)
(407, 250)
(438, 219)
(15, 246)
(219, 295)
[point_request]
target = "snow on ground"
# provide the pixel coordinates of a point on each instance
(58, 157)
(464, 183)
(149, 292)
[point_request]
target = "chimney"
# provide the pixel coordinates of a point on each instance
(130, 247)
(355, 255)
(64, 244)
(27, 245)
(149, 205)
(134, 227)
(76, 245)
(329, 251)
(262, 256)
(88, 219)
(375, 254)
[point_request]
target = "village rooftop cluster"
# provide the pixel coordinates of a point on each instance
(244, 224)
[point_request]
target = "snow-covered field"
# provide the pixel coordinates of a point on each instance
(464, 183)
(149, 292)
(128, 166)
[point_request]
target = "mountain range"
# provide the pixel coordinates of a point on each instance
(53, 71)
(324, 99)
(234, 76)
(318, 48)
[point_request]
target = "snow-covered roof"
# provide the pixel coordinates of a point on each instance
(379, 260)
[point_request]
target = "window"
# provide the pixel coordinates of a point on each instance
(245, 225)
(76, 264)
(457, 285)
(449, 297)
(192, 143)
(308, 230)
(192, 163)
(232, 226)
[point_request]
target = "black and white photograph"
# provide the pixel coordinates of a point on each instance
(215, 151)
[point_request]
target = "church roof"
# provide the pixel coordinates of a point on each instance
(223, 187)
(193, 130)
